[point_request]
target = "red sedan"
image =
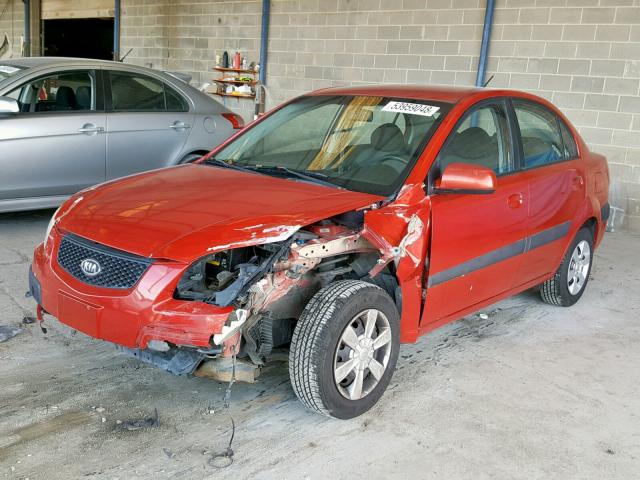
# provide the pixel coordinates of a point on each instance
(342, 224)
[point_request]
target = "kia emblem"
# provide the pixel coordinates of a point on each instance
(90, 267)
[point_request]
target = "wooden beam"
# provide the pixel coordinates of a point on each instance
(59, 9)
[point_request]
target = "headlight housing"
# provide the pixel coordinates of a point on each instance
(50, 226)
(222, 277)
(206, 278)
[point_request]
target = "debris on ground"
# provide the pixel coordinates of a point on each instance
(29, 320)
(224, 458)
(151, 422)
(7, 332)
(168, 453)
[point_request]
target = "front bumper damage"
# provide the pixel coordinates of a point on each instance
(151, 322)
(145, 316)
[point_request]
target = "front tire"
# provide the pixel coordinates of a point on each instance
(344, 349)
(570, 280)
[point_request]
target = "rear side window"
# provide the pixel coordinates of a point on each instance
(140, 93)
(175, 101)
(541, 139)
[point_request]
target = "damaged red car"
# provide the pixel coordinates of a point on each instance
(335, 228)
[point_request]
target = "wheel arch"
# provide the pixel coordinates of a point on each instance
(592, 224)
(191, 152)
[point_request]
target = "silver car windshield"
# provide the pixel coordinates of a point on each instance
(7, 71)
(362, 143)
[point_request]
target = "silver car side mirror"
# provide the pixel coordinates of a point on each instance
(9, 105)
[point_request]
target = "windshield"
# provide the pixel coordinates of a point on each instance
(8, 70)
(362, 143)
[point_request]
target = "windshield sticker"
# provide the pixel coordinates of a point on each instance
(8, 69)
(411, 108)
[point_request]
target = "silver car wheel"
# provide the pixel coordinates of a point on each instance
(362, 355)
(578, 267)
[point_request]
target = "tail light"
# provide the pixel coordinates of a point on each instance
(236, 120)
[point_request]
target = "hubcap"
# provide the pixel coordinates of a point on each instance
(362, 355)
(578, 267)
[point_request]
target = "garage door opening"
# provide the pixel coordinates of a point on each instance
(79, 37)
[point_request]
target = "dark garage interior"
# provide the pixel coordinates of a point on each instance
(78, 37)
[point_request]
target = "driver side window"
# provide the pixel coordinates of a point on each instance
(61, 92)
(481, 139)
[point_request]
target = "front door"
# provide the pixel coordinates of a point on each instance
(55, 145)
(148, 124)
(476, 238)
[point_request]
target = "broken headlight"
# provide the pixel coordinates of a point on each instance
(222, 277)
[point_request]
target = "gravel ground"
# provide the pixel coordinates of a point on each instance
(528, 391)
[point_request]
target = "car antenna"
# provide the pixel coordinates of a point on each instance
(131, 49)
(485, 83)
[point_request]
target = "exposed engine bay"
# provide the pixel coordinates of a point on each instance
(268, 285)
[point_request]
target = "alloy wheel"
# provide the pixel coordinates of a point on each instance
(578, 267)
(362, 355)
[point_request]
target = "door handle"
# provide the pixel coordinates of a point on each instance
(90, 128)
(515, 201)
(577, 182)
(178, 125)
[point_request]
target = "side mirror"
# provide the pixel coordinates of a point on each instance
(466, 178)
(8, 105)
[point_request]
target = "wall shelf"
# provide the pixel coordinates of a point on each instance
(236, 70)
(223, 81)
(235, 82)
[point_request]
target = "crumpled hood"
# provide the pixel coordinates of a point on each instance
(184, 212)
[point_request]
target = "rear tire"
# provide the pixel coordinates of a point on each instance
(344, 349)
(570, 280)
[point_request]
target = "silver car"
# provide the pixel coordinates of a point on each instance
(66, 124)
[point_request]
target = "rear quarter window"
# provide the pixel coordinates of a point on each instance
(570, 148)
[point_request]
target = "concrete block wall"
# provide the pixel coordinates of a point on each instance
(185, 36)
(11, 25)
(584, 55)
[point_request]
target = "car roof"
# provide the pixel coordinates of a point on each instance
(29, 62)
(416, 92)
(43, 62)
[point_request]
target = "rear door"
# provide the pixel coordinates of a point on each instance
(476, 239)
(55, 145)
(148, 123)
(557, 185)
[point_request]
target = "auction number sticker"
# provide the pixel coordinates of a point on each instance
(411, 108)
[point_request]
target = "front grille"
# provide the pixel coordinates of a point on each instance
(117, 269)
